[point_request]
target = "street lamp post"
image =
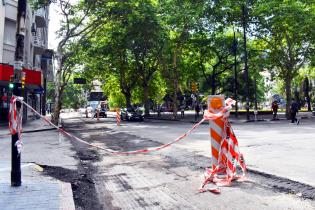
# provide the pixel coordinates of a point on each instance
(244, 23)
(306, 88)
(255, 89)
(235, 72)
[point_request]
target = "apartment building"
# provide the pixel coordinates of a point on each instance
(37, 58)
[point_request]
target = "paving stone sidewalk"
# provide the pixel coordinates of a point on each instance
(38, 191)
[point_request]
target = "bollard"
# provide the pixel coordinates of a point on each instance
(98, 114)
(118, 116)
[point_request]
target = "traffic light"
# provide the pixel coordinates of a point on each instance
(194, 87)
(23, 79)
(11, 84)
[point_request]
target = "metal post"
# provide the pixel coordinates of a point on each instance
(44, 98)
(17, 91)
(244, 22)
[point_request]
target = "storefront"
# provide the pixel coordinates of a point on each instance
(32, 96)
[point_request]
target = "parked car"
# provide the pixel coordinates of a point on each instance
(103, 113)
(131, 114)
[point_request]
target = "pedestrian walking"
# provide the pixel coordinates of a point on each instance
(204, 107)
(274, 107)
(182, 111)
(197, 110)
(294, 108)
(159, 110)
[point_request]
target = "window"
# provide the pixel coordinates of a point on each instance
(9, 32)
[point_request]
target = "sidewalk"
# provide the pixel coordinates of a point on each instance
(38, 191)
(189, 117)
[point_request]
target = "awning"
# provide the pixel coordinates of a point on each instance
(32, 77)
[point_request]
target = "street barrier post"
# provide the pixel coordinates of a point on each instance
(118, 116)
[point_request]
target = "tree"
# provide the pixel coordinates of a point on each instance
(145, 36)
(285, 28)
(74, 27)
(179, 26)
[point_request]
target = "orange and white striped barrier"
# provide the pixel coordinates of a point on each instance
(118, 116)
(224, 146)
(215, 105)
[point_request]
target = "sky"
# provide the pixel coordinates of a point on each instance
(54, 19)
(54, 24)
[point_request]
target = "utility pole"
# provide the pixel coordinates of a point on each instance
(244, 22)
(235, 73)
(17, 90)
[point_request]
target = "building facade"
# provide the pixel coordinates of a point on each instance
(37, 58)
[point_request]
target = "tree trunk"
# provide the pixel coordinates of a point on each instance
(146, 99)
(128, 98)
(175, 104)
(213, 89)
(288, 81)
(57, 99)
(175, 82)
(309, 107)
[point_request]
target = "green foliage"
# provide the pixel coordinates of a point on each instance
(73, 96)
(37, 4)
(144, 50)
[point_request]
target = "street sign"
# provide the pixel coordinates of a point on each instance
(79, 81)
(96, 96)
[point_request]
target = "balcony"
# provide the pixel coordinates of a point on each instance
(39, 45)
(40, 18)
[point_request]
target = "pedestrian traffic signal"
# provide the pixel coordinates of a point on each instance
(23, 79)
(11, 85)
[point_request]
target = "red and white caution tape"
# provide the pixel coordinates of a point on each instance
(229, 156)
(147, 150)
(15, 120)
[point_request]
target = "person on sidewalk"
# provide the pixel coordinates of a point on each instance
(274, 107)
(294, 108)
(197, 110)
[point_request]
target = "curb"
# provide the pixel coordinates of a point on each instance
(231, 121)
(66, 197)
(40, 130)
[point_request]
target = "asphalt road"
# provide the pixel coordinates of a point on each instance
(278, 155)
